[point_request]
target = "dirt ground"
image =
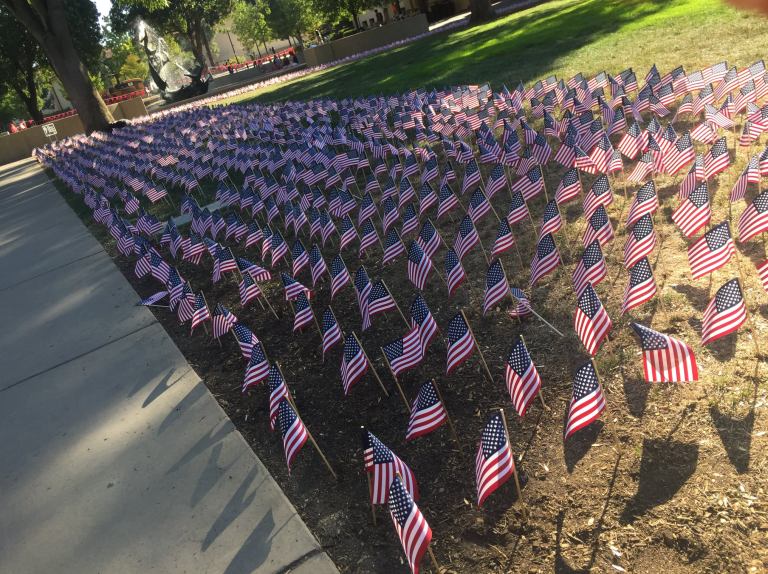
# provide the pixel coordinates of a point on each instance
(672, 477)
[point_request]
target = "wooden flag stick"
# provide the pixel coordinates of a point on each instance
(479, 350)
(370, 497)
(209, 310)
(434, 560)
(517, 480)
(519, 257)
(407, 324)
(480, 242)
(264, 294)
(394, 376)
(541, 397)
(447, 416)
(542, 319)
(309, 434)
(544, 182)
(370, 364)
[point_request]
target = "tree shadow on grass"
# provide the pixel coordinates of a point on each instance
(527, 44)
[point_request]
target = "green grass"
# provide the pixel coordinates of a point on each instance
(561, 37)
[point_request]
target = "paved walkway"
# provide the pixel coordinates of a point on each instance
(113, 455)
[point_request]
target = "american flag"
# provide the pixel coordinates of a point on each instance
(347, 232)
(551, 222)
(393, 246)
(717, 159)
(384, 465)
(427, 412)
(711, 251)
(279, 247)
(466, 238)
(522, 377)
(454, 271)
(497, 180)
(531, 184)
(591, 267)
(278, 391)
(293, 431)
(368, 236)
(505, 240)
(599, 194)
(598, 227)
(422, 318)
(643, 168)
(461, 343)
(751, 174)
(518, 209)
(587, 401)
(641, 286)
(245, 339)
(494, 462)
(427, 197)
(257, 369)
(754, 219)
(303, 315)
(339, 275)
(292, 287)
(471, 176)
(354, 363)
(591, 321)
(724, 314)
(496, 285)
(646, 201)
(522, 306)
(429, 238)
(419, 265)
(640, 241)
(317, 264)
(200, 312)
(447, 200)
(569, 187)
(680, 155)
(694, 212)
(546, 259)
(404, 352)
(299, 256)
(379, 301)
(362, 289)
(665, 359)
(331, 332)
(248, 289)
(410, 220)
(411, 526)
(478, 206)
(222, 320)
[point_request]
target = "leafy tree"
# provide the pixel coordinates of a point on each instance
(62, 29)
(134, 67)
(20, 60)
(249, 20)
(351, 8)
(294, 18)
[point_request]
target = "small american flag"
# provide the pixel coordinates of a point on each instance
(587, 401)
(411, 526)
(591, 267)
(393, 246)
(754, 219)
(278, 391)
(292, 287)
(404, 352)
(569, 187)
(299, 256)
(711, 251)
(494, 462)
(427, 412)
(293, 431)
(641, 286)
(680, 155)
(551, 222)
(461, 343)
(546, 259)
(717, 159)
(724, 314)
(694, 212)
(317, 264)
(362, 289)
(339, 275)
(591, 321)
(522, 306)
(384, 465)
(379, 301)
(646, 201)
(599, 194)
(505, 240)
(427, 197)
(598, 227)
(447, 200)
(222, 320)
(429, 238)
(331, 332)
(354, 363)
(522, 377)
(640, 241)
(422, 318)
(466, 238)
(497, 180)
(665, 359)
(200, 312)
(347, 232)
(762, 272)
(531, 184)
(496, 285)
(245, 339)
(303, 315)
(257, 369)
(454, 271)
(478, 206)
(419, 265)
(368, 236)
(518, 209)
(248, 289)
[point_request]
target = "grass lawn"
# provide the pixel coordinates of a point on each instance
(561, 37)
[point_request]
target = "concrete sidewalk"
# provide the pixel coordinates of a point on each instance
(115, 457)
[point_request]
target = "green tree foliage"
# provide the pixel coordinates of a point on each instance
(249, 21)
(134, 67)
(20, 62)
(294, 18)
(351, 8)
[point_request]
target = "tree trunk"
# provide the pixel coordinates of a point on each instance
(48, 25)
(482, 11)
(356, 20)
(195, 46)
(30, 102)
(207, 46)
